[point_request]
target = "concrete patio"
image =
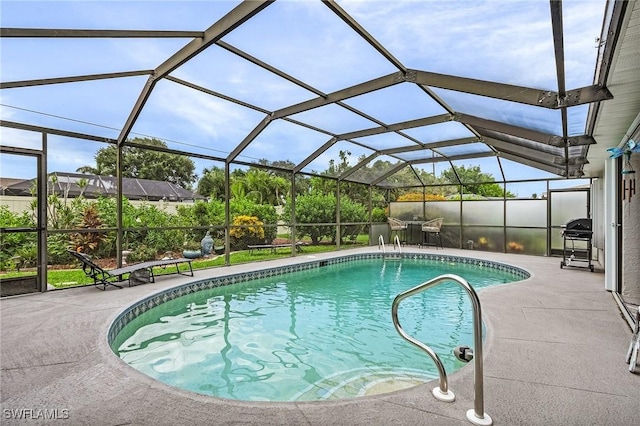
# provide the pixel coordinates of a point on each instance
(554, 355)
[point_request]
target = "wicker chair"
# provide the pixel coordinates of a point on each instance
(432, 227)
(398, 226)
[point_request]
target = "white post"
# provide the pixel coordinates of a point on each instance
(610, 226)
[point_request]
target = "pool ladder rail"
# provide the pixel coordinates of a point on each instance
(396, 243)
(476, 415)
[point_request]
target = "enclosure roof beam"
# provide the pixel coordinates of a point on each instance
(489, 89)
(528, 162)
(236, 17)
(400, 150)
(51, 131)
(84, 33)
(340, 95)
(216, 94)
(304, 163)
(427, 121)
(537, 155)
(270, 68)
(364, 34)
(392, 171)
(535, 158)
(72, 79)
(451, 142)
(521, 132)
(291, 79)
(241, 103)
(430, 146)
(508, 92)
(250, 137)
(615, 11)
(558, 47)
(453, 158)
(359, 165)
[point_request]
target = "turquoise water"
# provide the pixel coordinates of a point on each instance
(318, 334)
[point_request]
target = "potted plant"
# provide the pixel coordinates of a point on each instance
(191, 250)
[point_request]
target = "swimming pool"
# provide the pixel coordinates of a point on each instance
(315, 331)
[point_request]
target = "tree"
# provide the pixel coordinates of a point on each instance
(211, 184)
(272, 186)
(475, 182)
(145, 163)
(313, 209)
(350, 212)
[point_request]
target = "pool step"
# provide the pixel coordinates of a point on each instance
(363, 382)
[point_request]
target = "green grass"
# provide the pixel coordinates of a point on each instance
(65, 278)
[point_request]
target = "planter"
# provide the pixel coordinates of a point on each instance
(18, 285)
(125, 254)
(191, 254)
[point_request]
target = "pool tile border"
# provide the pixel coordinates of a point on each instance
(142, 306)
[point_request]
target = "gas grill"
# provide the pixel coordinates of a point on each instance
(577, 230)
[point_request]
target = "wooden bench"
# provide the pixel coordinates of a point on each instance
(273, 247)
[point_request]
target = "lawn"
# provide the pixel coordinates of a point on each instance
(65, 278)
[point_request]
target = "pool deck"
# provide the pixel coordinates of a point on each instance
(553, 355)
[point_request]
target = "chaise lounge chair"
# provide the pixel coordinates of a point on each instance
(137, 272)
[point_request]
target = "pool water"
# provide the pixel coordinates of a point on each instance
(318, 334)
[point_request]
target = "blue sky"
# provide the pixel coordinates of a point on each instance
(508, 42)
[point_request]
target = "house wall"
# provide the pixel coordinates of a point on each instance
(18, 204)
(15, 203)
(631, 238)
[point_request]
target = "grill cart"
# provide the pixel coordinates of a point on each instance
(576, 235)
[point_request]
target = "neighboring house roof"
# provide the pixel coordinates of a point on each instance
(95, 186)
(7, 182)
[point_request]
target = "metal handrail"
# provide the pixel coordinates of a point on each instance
(397, 241)
(381, 244)
(476, 415)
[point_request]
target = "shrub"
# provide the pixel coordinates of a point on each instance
(11, 242)
(264, 213)
(161, 240)
(88, 242)
(57, 245)
(29, 255)
(246, 230)
(418, 196)
(141, 253)
(379, 215)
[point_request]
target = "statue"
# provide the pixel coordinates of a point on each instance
(207, 244)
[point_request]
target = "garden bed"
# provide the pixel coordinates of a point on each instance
(18, 285)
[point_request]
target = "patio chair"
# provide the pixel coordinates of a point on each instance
(398, 226)
(432, 227)
(139, 272)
